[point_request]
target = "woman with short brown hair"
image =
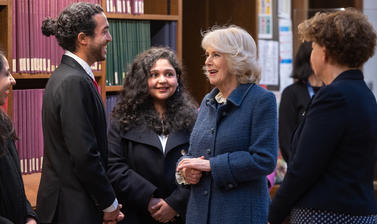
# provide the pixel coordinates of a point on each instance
(330, 178)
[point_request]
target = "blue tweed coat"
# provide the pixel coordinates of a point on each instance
(240, 140)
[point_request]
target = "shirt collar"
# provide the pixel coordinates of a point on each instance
(83, 63)
(220, 98)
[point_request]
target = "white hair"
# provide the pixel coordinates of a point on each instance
(239, 49)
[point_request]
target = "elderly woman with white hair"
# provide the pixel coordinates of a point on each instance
(233, 145)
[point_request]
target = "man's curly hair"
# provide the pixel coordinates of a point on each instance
(135, 106)
(74, 19)
(347, 35)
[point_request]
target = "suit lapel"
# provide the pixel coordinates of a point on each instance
(67, 60)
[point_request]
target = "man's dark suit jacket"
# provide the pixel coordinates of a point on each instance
(74, 187)
(334, 153)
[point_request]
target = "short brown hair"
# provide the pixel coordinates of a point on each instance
(347, 35)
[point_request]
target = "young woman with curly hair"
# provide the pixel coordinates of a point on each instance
(150, 128)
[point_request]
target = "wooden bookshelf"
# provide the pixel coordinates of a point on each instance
(4, 2)
(31, 76)
(142, 17)
(114, 88)
(154, 10)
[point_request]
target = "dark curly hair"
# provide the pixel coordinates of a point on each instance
(6, 127)
(347, 35)
(74, 19)
(301, 65)
(135, 106)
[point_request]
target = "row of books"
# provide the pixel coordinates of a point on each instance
(111, 100)
(27, 120)
(32, 52)
(134, 7)
(131, 37)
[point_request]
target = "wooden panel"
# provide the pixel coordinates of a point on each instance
(174, 7)
(319, 4)
(114, 88)
(199, 16)
(194, 21)
(4, 29)
(240, 12)
(4, 2)
(179, 30)
(299, 14)
(164, 7)
(31, 76)
(155, 7)
(358, 4)
(9, 33)
(142, 17)
(31, 183)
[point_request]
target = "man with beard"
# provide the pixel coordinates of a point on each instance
(74, 187)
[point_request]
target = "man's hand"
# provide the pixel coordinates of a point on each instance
(164, 213)
(151, 205)
(31, 221)
(113, 217)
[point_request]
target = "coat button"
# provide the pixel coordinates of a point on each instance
(209, 151)
(183, 152)
(212, 130)
(205, 192)
(230, 186)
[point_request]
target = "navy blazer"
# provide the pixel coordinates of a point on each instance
(74, 187)
(335, 151)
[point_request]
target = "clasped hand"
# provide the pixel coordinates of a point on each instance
(192, 168)
(113, 217)
(160, 210)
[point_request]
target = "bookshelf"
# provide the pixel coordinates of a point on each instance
(154, 11)
(3, 2)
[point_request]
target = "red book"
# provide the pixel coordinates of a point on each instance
(15, 120)
(33, 41)
(14, 36)
(28, 34)
(39, 128)
(27, 129)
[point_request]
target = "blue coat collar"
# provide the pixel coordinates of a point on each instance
(236, 96)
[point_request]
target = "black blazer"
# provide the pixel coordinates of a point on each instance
(74, 187)
(294, 100)
(334, 153)
(138, 170)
